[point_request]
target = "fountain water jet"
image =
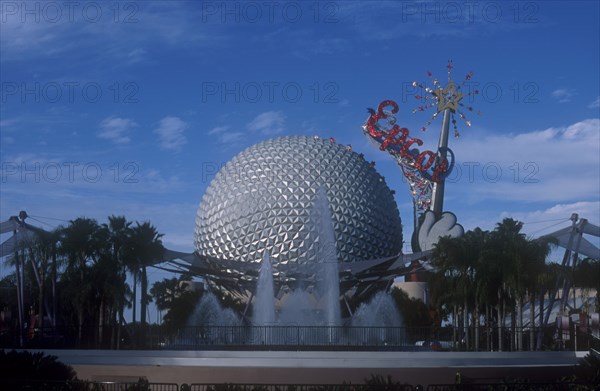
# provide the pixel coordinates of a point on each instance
(298, 310)
(381, 315)
(209, 311)
(300, 305)
(329, 285)
(315, 302)
(264, 303)
(379, 311)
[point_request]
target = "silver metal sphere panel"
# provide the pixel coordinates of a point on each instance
(261, 199)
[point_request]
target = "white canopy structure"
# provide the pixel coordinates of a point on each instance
(22, 234)
(575, 244)
(572, 239)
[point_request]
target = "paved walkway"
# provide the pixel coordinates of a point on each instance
(313, 367)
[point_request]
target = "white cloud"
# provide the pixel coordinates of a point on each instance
(46, 34)
(379, 21)
(5, 123)
(218, 130)
(542, 222)
(563, 95)
(584, 130)
(26, 159)
(231, 137)
(268, 123)
(551, 165)
(116, 129)
(224, 136)
(136, 55)
(330, 45)
(595, 104)
(170, 133)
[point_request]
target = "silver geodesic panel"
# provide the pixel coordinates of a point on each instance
(261, 199)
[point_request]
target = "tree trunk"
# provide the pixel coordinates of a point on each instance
(500, 321)
(488, 336)
(121, 321)
(41, 308)
(143, 305)
(100, 322)
(454, 325)
(519, 309)
(476, 323)
(531, 321)
(40, 278)
(513, 328)
(134, 295)
(19, 296)
(143, 296)
(54, 299)
(540, 336)
(113, 329)
(80, 326)
(37, 273)
(466, 326)
(80, 305)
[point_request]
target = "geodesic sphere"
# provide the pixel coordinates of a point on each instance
(261, 199)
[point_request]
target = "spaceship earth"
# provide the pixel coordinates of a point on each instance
(262, 198)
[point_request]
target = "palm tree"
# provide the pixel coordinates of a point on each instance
(488, 282)
(165, 292)
(42, 253)
(535, 267)
(145, 249)
(81, 244)
(520, 262)
(480, 280)
(176, 297)
(457, 261)
(548, 279)
(119, 231)
(507, 245)
(483, 269)
(587, 275)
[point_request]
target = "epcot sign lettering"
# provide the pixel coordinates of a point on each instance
(397, 142)
(425, 171)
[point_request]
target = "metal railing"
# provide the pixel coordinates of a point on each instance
(292, 337)
(520, 386)
(293, 387)
(147, 386)
(79, 385)
(248, 337)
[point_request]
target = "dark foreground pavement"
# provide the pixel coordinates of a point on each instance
(291, 367)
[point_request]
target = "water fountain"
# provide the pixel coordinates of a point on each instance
(264, 304)
(329, 285)
(300, 304)
(312, 303)
(382, 318)
(209, 311)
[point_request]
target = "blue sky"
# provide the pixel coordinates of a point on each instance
(129, 107)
